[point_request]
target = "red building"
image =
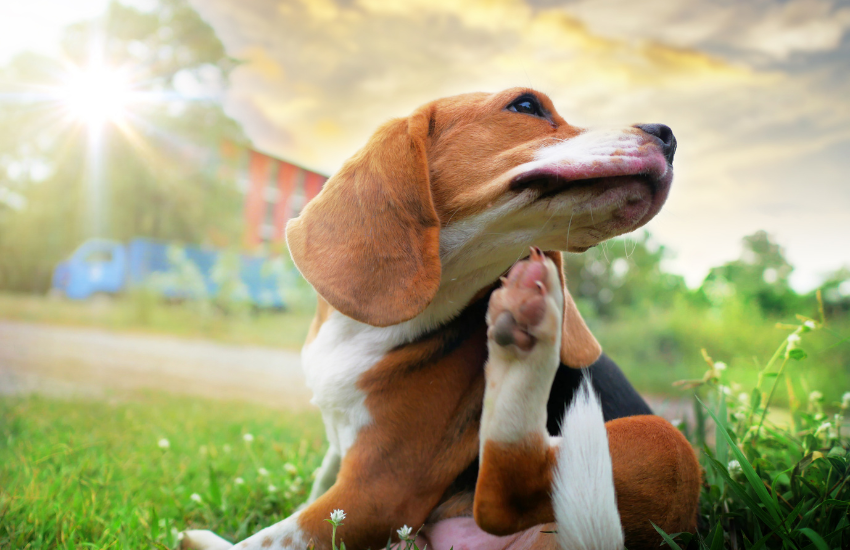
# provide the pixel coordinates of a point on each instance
(275, 191)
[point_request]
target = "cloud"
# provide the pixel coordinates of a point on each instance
(751, 118)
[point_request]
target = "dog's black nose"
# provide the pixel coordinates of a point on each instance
(665, 134)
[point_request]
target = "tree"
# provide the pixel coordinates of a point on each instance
(622, 273)
(760, 276)
(158, 166)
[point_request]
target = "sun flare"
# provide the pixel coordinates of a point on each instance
(96, 94)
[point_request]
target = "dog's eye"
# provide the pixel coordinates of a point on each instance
(526, 104)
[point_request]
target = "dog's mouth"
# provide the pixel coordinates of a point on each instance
(632, 198)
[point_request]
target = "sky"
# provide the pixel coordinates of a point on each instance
(756, 93)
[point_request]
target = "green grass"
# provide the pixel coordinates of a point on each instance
(90, 474)
(767, 484)
(141, 313)
(658, 346)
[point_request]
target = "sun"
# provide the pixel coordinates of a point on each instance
(96, 94)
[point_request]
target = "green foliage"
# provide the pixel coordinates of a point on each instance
(136, 470)
(760, 276)
(773, 479)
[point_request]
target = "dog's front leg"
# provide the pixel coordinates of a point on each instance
(528, 478)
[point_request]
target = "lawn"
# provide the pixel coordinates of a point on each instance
(126, 473)
(132, 471)
(147, 314)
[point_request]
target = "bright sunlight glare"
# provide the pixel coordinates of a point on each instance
(96, 94)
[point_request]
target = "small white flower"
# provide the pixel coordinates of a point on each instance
(815, 396)
(263, 472)
(739, 416)
(823, 427)
(248, 438)
(290, 468)
(743, 398)
(793, 338)
(238, 481)
(724, 389)
(676, 422)
(734, 467)
(226, 448)
(163, 443)
(404, 533)
(196, 497)
(810, 324)
(720, 365)
(272, 489)
(337, 516)
(845, 400)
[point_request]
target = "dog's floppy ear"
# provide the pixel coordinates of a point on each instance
(370, 241)
(579, 347)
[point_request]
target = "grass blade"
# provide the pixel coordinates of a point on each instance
(752, 477)
(670, 542)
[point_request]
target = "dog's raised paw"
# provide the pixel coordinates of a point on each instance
(527, 308)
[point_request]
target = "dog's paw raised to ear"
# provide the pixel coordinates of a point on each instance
(527, 308)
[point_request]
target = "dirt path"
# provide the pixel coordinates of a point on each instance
(63, 361)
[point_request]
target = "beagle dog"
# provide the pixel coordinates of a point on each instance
(442, 384)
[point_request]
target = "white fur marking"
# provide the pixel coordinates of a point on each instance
(583, 488)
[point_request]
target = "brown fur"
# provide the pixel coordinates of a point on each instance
(513, 487)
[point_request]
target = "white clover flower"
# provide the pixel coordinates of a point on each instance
(734, 467)
(263, 472)
(720, 365)
(238, 481)
(290, 468)
(196, 497)
(248, 438)
(163, 443)
(272, 489)
(337, 516)
(404, 533)
(815, 396)
(823, 427)
(226, 448)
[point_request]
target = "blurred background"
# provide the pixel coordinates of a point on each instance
(151, 152)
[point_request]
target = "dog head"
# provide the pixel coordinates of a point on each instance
(451, 196)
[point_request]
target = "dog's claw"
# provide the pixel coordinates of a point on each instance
(536, 254)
